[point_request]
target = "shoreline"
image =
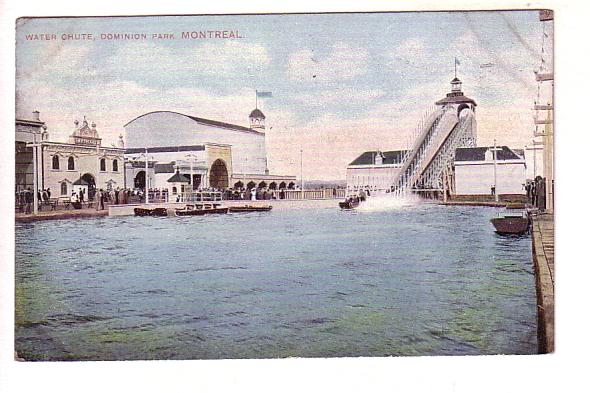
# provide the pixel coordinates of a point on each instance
(277, 204)
(543, 259)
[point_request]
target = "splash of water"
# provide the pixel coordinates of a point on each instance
(387, 202)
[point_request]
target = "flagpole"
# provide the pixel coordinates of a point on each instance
(256, 99)
(455, 67)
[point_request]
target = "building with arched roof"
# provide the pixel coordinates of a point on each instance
(211, 153)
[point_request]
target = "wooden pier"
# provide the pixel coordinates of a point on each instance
(543, 258)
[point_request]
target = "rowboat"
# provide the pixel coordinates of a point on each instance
(512, 225)
(201, 209)
(156, 212)
(248, 208)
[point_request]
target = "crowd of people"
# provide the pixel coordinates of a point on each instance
(77, 199)
(536, 193)
(99, 198)
(24, 199)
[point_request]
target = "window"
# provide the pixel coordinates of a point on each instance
(71, 164)
(64, 188)
(103, 164)
(55, 162)
(115, 166)
(174, 190)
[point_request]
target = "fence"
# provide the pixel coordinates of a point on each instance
(325, 193)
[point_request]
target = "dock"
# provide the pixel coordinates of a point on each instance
(543, 258)
(60, 215)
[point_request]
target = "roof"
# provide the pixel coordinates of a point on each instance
(201, 120)
(389, 157)
(178, 178)
(164, 168)
(30, 122)
(80, 182)
(257, 113)
(519, 152)
(165, 149)
(455, 98)
(479, 154)
(455, 79)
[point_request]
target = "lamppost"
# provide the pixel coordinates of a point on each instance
(301, 172)
(35, 145)
(496, 197)
(244, 171)
(192, 158)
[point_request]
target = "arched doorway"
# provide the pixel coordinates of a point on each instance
(262, 184)
(139, 181)
(88, 178)
(461, 107)
(218, 177)
(291, 186)
(239, 184)
(272, 186)
(283, 185)
(250, 185)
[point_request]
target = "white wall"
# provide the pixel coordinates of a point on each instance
(174, 129)
(375, 176)
(477, 178)
(532, 154)
(86, 160)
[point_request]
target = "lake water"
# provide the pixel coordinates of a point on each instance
(420, 280)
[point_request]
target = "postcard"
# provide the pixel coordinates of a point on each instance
(268, 186)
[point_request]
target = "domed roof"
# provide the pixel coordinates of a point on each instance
(257, 113)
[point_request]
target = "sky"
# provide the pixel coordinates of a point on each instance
(341, 83)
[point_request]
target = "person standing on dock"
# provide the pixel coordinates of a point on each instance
(98, 197)
(28, 201)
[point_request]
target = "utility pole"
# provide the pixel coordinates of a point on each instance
(496, 196)
(35, 180)
(301, 171)
(147, 195)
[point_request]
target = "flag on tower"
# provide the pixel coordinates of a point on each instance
(263, 94)
(457, 62)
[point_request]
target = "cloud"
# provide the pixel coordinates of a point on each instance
(226, 59)
(344, 96)
(342, 63)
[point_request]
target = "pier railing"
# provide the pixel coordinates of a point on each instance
(325, 193)
(198, 196)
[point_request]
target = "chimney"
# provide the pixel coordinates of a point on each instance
(36, 116)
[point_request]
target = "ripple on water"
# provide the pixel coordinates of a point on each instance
(425, 280)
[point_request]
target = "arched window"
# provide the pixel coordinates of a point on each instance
(64, 188)
(115, 166)
(103, 164)
(55, 162)
(174, 190)
(71, 164)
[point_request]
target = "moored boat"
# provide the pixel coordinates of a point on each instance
(156, 212)
(512, 225)
(201, 209)
(249, 208)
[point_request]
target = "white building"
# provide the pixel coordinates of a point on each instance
(64, 168)
(373, 170)
(533, 156)
(211, 153)
(474, 171)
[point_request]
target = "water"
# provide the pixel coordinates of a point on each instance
(421, 280)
